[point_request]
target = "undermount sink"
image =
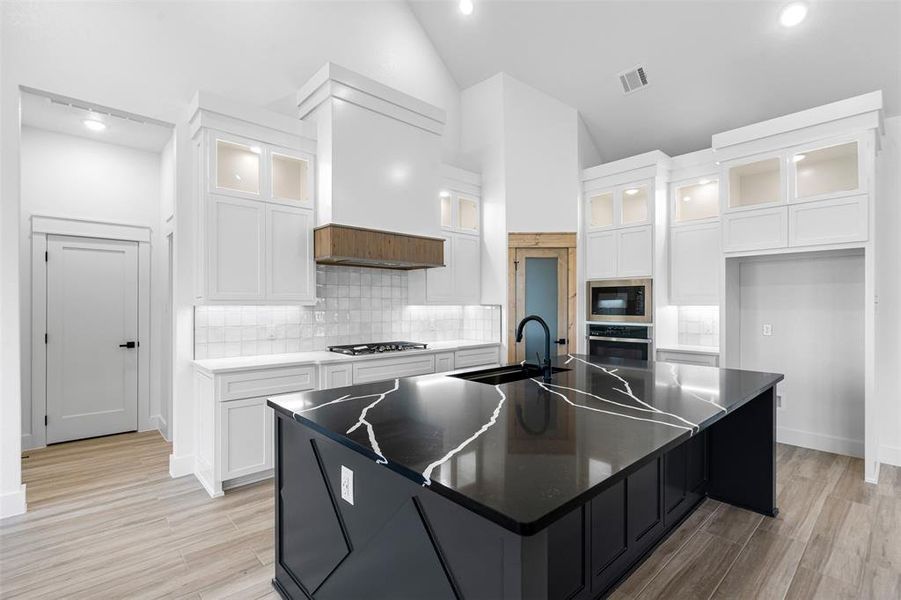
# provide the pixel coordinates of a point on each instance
(499, 375)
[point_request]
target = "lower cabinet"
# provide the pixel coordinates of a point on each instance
(444, 362)
(333, 376)
(476, 357)
(368, 371)
(234, 424)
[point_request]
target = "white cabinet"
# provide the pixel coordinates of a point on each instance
(234, 424)
(291, 274)
(828, 221)
(254, 231)
(626, 252)
(475, 357)
(695, 264)
(444, 361)
(368, 371)
(621, 206)
(634, 252)
(602, 260)
(760, 229)
(245, 441)
(459, 282)
(336, 375)
(235, 253)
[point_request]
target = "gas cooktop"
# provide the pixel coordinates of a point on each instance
(377, 348)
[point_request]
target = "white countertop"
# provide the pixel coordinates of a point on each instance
(689, 349)
(242, 363)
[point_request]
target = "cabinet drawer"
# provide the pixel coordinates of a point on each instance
(380, 370)
(758, 229)
(475, 357)
(688, 358)
(245, 443)
(828, 221)
(265, 382)
(333, 376)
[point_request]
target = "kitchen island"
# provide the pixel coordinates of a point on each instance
(506, 486)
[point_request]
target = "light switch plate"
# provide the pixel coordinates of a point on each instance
(767, 329)
(347, 485)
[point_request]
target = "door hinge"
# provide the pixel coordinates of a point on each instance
(515, 265)
(45, 338)
(45, 420)
(46, 256)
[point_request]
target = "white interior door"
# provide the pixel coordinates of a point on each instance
(92, 314)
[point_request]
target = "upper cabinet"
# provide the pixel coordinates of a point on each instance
(825, 172)
(254, 205)
(753, 184)
(623, 206)
(460, 218)
(695, 200)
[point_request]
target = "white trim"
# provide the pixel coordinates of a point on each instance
(42, 226)
(13, 503)
(834, 111)
(109, 230)
(890, 455)
(181, 466)
(456, 174)
(820, 441)
(210, 103)
(654, 159)
(333, 81)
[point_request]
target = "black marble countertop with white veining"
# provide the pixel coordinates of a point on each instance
(524, 453)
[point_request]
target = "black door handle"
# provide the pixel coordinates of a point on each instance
(560, 342)
(129, 345)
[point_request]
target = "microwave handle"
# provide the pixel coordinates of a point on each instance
(615, 339)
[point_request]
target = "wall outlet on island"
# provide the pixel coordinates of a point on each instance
(767, 329)
(778, 401)
(347, 485)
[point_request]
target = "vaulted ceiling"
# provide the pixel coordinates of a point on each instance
(712, 65)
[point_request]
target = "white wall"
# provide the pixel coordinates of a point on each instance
(815, 304)
(888, 292)
(68, 176)
(526, 146)
(148, 59)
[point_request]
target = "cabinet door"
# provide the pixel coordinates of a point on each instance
(236, 254)
(695, 264)
(440, 281)
(467, 267)
(635, 256)
(245, 437)
(829, 221)
(236, 166)
(602, 254)
(444, 362)
(333, 376)
(291, 273)
(755, 229)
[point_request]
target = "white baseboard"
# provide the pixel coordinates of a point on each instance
(890, 455)
(13, 503)
(159, 423)
(179, 466)
(819, 441)
(27, 441)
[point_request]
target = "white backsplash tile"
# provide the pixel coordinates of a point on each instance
(699, 326)
(354, 305)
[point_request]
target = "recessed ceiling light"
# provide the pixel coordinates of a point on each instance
(703, 182)
(632, 191)
(256, 149)
(444, 194)
(793, 14)
(466, 7)
(798, 157)
(94, 125)
(686, 198)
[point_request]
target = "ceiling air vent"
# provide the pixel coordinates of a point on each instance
(633, 80)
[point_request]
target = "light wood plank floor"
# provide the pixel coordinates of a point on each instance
(106, 521)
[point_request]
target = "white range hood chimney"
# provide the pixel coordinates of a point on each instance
(378, 153)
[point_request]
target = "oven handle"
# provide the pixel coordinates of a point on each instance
(615, 339)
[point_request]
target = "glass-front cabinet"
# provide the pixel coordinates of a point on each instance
(696, 200)
(825, 172)
(460, 212)
(755, 183)
(623, 206)
(237, 167)
(291, 178)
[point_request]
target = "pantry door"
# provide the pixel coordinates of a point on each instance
(541, 289)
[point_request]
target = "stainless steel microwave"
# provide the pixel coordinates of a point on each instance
(621, 300)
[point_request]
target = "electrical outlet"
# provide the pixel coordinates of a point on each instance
(347, 485)
(779, 401)
(767, 329)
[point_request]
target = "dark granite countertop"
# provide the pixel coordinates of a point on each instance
(524, 453)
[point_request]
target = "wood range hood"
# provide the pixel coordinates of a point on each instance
(350, 246)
